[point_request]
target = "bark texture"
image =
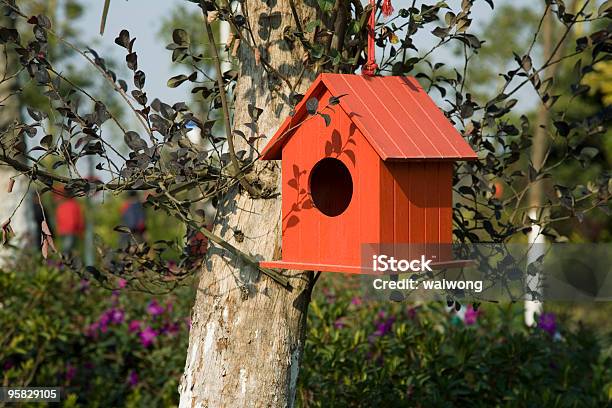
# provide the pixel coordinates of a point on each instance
(247, 332)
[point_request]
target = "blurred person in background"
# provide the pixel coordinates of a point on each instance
(133, 217)
(69, 221)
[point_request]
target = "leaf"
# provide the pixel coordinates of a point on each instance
(180, 36)
(8, 35)
(44, 227)
(562, 127)
(123, 39)
(123, 229)
(177, 80)
(139, 79)
(46, 141)
(440, 32)
(312, 105)
(335, 100)
(123, 85)
(132, 61)
(35, 114)
(134, 141)
(44, 21)
(589, 152)
(326, 118)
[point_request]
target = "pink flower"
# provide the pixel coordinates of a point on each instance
(121, 283)
(471, 316)
(154, 308)
(356, 301)
(84, 285)
(339, 323)
(147, 336)
(92, 330)
(134, 326)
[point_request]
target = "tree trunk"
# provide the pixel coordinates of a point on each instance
(10, 207)
(247, 332)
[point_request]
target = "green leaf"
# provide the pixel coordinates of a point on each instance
(177, 80)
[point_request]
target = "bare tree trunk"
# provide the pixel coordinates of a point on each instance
(247, 332)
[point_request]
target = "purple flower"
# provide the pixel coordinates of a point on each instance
(356, 301)
(548, 323)
(116, 316)
(470, 316)
(154, 308)
(170, 328)
(411, 312)
(384, 327)
(133, 379)
(70, 372)
(104, 319)
(134, 326)
(147, 336)
(8, 365)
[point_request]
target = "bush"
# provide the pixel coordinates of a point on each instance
(106, 348)
(125, 348)
(423, 356)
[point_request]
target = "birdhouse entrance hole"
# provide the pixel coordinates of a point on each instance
(331, 186)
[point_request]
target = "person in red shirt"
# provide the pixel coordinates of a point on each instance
(69, 222)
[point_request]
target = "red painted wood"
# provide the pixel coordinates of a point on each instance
(395, 115)
(398, 149)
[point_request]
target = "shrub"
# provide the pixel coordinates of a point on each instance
(424, 356)
(125, 348)
(106, 348)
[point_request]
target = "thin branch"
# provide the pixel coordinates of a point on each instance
(226, 114)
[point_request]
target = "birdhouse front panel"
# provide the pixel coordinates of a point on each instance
(331, 190)
(376, 167)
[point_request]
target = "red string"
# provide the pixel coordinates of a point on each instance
(370, 66)
(387, 8)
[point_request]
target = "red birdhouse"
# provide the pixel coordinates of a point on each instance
(378, 169)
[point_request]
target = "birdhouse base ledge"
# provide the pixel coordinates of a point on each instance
(353, 269)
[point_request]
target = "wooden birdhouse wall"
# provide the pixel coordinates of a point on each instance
(416, 205)
(309, 235)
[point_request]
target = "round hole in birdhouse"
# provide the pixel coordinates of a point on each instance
(331, 186)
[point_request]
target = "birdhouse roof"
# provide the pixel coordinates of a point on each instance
(396, 116)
